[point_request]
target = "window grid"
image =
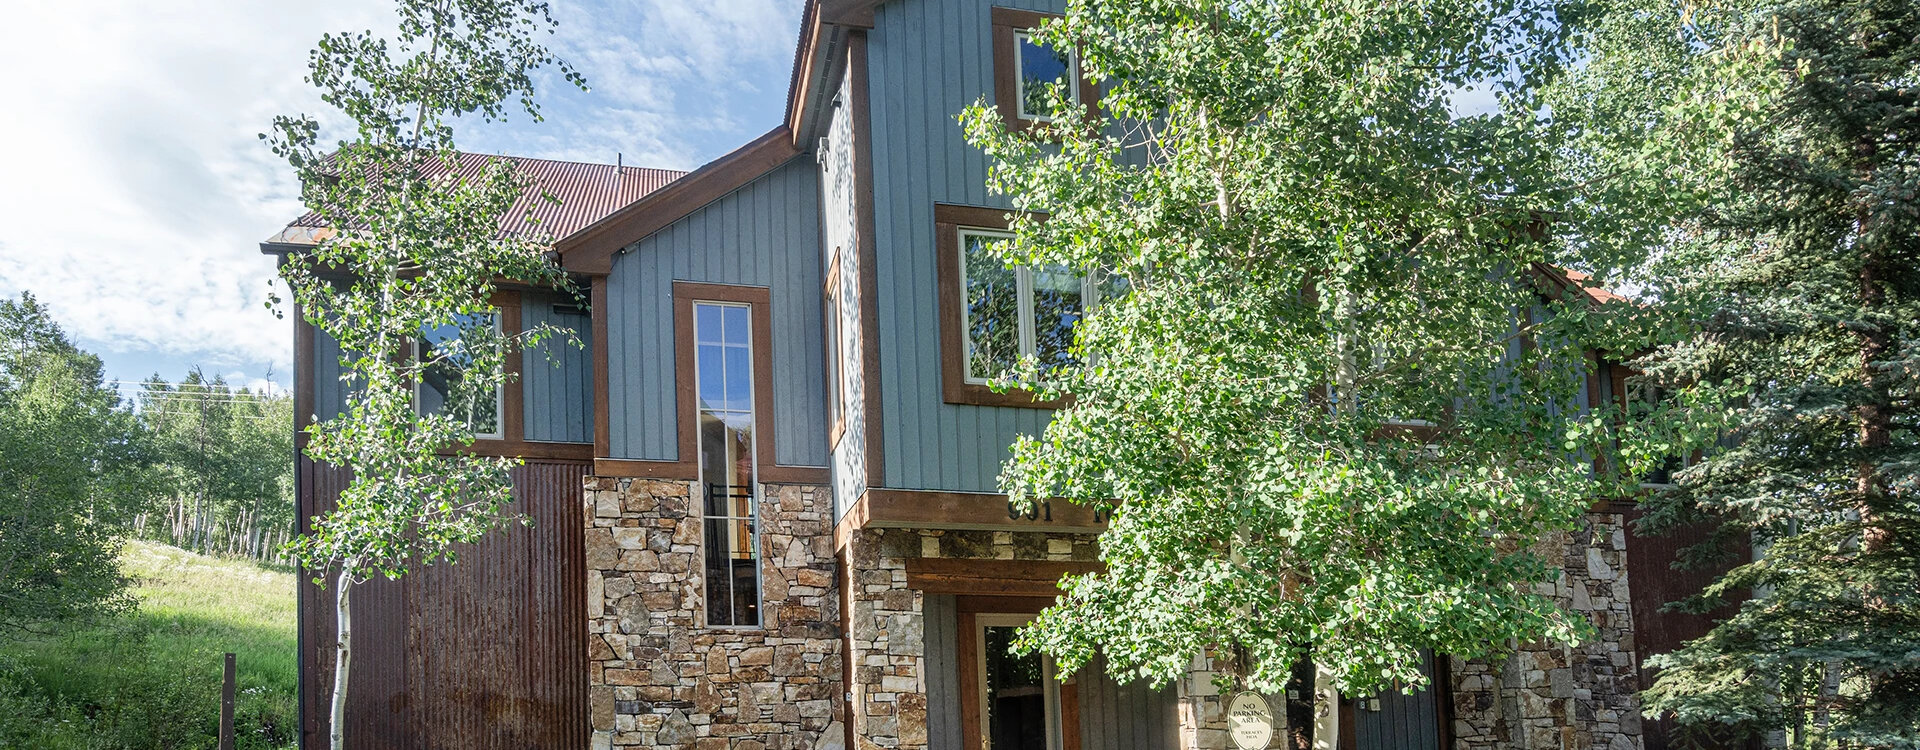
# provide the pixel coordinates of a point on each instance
(723, 350)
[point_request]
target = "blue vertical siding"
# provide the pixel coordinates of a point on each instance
(329, 394)
(928, 60)
(940, 626)
(1405, 721)
(767, 234)
(556, 379)
(1125, 716)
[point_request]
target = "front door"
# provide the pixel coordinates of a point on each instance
(1012, 702)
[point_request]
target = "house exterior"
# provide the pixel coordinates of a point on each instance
(763, 494)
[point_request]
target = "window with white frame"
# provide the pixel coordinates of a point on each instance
(444, 352)
(1038, 68)
(1011, 312)
(723, 371)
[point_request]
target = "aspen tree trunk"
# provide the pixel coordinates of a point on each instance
(342, 656)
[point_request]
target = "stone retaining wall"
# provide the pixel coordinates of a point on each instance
(658, 677)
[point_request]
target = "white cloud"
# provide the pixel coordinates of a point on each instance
(138, 191)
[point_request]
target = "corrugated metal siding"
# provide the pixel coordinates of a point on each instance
(764, 234)
(557, 379)
(1405, 721)
(488, 653)
(929, 60)
(1130, 716)
(941, 631)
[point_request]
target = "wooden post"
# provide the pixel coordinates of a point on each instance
(226, 708)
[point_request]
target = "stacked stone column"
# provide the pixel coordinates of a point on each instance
(658, 676)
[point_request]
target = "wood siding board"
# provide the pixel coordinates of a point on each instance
(765, 234)
(920, 158)
(943, 676)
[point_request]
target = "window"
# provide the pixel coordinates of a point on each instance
(1037, 68)
(837, 361)
(1011, 313)
(723, 366)
(992, 315)
(1023, 69)
(439, 390)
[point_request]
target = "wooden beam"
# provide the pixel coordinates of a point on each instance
(1028, 578)
(880, 508)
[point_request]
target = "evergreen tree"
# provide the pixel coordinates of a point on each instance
(1769, 151)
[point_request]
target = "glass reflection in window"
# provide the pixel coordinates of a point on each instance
(723, 372)
(444, 350)
(1041, 67)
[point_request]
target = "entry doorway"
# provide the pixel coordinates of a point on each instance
(1009, 701)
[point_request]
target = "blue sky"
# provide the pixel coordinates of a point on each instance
(137, 191)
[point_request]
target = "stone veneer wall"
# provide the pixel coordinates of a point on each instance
(1548, 697)
(888, 629)
(658, 677)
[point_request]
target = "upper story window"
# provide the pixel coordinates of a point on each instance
(1013, 313)
(723, 371)
(1041, 67)
(446, 356)
(993, 315)
(1024, 69)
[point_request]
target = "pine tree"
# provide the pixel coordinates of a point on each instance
(1768, 149)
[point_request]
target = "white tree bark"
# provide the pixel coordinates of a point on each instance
(342, 655)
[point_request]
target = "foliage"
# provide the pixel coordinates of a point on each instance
(1331, 409)
(69, 451)
(415, 253)
(424, 248)
(152, 679)
(223, 464)
(1767, 149)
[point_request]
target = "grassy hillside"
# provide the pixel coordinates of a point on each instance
(152, 679)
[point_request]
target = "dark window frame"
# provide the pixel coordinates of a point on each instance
(949, 221)
(1008, 25)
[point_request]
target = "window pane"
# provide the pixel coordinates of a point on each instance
(710, 360)
(736, 332)
(993, 309)
(443, 387)
(1040, 67)
(739, 379)
(1058, 304)
(706, 323)
(1016, 702)
(726, 435)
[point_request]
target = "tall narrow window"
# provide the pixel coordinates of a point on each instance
(440, 388)
(723, 366)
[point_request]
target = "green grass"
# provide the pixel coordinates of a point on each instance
(152, 679)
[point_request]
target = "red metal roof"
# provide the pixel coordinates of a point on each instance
(587, 193)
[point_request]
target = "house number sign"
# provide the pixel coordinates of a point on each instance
(1042, 510)
(1250, 721)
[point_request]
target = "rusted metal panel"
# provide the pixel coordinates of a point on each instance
(489, 652)
(1656, 583)
(587, 193)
